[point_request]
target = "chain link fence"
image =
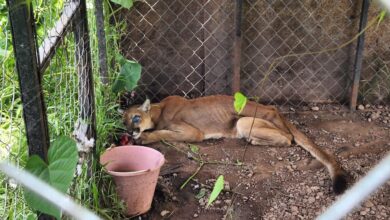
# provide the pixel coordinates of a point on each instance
(63, 66)
(186, 48)
(375, 80)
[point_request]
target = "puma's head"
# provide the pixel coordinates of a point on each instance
(138, 119)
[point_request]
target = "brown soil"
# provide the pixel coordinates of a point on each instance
(277, 182)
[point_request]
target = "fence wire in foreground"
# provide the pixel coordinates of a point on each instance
(50, 194)
(360, 191)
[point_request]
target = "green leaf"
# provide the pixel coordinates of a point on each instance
(239, 102)
(128, 77)
(218, 187)
(62, 157)
(194, 148)
(381, 17)
(38, 167)
(124, 3)
(201, 193)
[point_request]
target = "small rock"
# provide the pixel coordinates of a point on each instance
(228, 201)
(357, 144)
(227, 186)
(196, 215)
(368, 105)
(360, 107)
(294, 208)
(315, 116)
(280, 158)
(375, 115)
(315, 108)
(164, 213)
(368, 204)
(311, 200)
(369, 119)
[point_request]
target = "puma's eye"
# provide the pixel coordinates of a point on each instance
(136, 119)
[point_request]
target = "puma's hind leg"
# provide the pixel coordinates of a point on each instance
(263, 132)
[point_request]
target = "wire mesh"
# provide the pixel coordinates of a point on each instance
(184, 46)
(375, 76)
(273, 29)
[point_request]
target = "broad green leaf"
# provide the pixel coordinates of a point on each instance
(128, 77)
(124, 3)
(62, 157)
(201, 193)
(239, 102)
(38, 167)
(194, 148)
(218, 187)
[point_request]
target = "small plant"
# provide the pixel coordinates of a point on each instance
(124, 3)
(217, 189)
(58, 172)
(129, 75)
(239, 102)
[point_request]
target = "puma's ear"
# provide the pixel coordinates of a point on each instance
(146, 106)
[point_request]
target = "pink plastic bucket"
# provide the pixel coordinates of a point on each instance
(135, 170)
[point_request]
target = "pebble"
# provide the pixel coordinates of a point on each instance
(315, 108)
(164, 213)
(227, 186)
(361, 107)
(368, 204)
(196, 215)
(228, 201)
(294, 208)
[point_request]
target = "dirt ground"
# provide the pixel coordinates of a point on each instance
(277, 182)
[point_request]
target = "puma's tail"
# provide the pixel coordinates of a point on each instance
(337, 174)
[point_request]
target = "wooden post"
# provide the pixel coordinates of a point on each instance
(101, 36)
(34, 111)
(237, 48)
(359, 55)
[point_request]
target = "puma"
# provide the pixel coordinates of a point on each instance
(179, 119)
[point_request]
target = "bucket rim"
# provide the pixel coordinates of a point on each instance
(138, 172)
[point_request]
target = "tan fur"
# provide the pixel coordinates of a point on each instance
(179, 119)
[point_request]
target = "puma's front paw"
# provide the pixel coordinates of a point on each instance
(142, 139)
